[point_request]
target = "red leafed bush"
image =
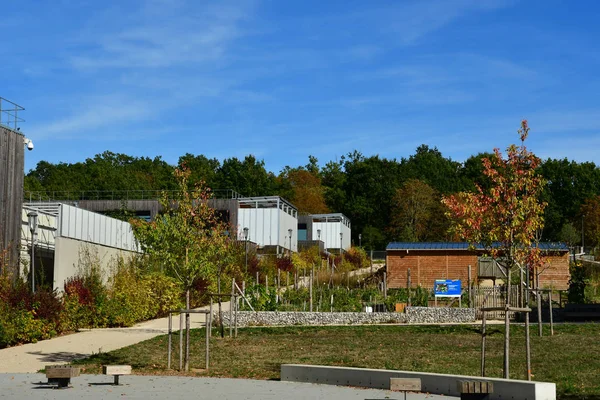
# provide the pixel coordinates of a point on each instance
(285, 264)
(77, 286)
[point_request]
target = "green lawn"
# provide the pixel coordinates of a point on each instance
(571, 357)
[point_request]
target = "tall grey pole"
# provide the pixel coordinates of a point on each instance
(527, 331)
(33, 262)
(507, 329)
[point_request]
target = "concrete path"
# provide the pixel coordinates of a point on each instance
(33, 357)
(32, 386)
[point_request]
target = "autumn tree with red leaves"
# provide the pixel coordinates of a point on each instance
(505, 217)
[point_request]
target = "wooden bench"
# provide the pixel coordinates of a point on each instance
(61, 375)
(475, 390)
(405, 385)
(116, 371)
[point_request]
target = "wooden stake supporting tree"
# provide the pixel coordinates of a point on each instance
(505, 217)
(188, 238)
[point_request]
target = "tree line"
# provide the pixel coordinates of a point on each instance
(386, 199)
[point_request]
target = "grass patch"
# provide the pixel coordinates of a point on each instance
(569, 358)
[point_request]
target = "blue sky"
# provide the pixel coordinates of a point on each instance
(286, 79)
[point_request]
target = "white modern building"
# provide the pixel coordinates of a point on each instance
(269, 222)
(66, 235)
(334, 230)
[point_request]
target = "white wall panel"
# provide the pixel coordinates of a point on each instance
(268, 227)
(83, 225)
(330, 234)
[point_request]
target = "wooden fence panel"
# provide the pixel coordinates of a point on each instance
(493, 296)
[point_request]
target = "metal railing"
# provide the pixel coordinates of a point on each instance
(9, 114)
(82, 195)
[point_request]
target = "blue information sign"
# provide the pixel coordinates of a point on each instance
(447, 288)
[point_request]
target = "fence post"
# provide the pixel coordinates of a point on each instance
(181, 341)
(469, 286)
(235, 315)
(278, 286)
(538, 298)
(408, 301)
(210, 317)
(206, 319)
(170, 340)
(483, 345)
(550, 309)
(231, 307)
(243, 291)
(310, 290)
(385, 285)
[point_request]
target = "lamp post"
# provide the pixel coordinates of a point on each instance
(582, 236)
(341, 245)
(246, 244)
(319, 238)
(290, 234)
(32, 218)
(360, 240)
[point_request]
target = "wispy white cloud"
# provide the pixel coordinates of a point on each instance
(162, 36)
(411, 21)
(93, 114)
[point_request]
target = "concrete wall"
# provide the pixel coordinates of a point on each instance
(71, 254)
(12, 164)
(441, 384)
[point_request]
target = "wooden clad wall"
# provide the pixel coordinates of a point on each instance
(428, 265)
(12, 165)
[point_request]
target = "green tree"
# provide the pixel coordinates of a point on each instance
(590, 212)
(472, 173)
(188, 240)
(569, 184)
(303, 187)
(430, 166)
(569, 234)
(417, 213)
(203, 168)
(369, 187)
(248, 177)
(334, 180)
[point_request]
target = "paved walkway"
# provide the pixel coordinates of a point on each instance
(32, 386)
(33, 357)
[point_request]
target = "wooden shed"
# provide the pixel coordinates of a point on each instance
(429, 261)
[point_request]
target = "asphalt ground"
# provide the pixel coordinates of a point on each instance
(34, 386)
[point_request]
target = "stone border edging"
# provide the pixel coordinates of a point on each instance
(416, 315)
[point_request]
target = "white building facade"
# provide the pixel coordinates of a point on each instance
(67, 235)
(270, 222)
(334, 230)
